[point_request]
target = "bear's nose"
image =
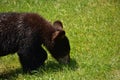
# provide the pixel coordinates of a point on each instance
(64, 60)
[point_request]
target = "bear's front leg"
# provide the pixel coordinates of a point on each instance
(32, 58)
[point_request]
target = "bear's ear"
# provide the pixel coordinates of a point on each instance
(58, 35)
(58, 25)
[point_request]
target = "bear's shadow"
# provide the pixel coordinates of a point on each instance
(50, 66)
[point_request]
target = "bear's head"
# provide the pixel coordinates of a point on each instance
(61, 47)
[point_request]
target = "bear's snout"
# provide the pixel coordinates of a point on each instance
(64, 60)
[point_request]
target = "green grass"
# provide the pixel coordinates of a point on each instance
(93, 27)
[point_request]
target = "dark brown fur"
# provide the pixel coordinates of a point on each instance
(24, 33)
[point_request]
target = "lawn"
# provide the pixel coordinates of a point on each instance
(93, 28)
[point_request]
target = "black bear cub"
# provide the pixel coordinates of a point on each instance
(24, 33)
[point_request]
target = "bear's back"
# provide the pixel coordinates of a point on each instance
(16, 27)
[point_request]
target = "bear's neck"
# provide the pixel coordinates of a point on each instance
(47, 35)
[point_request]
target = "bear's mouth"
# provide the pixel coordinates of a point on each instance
(64, 60)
